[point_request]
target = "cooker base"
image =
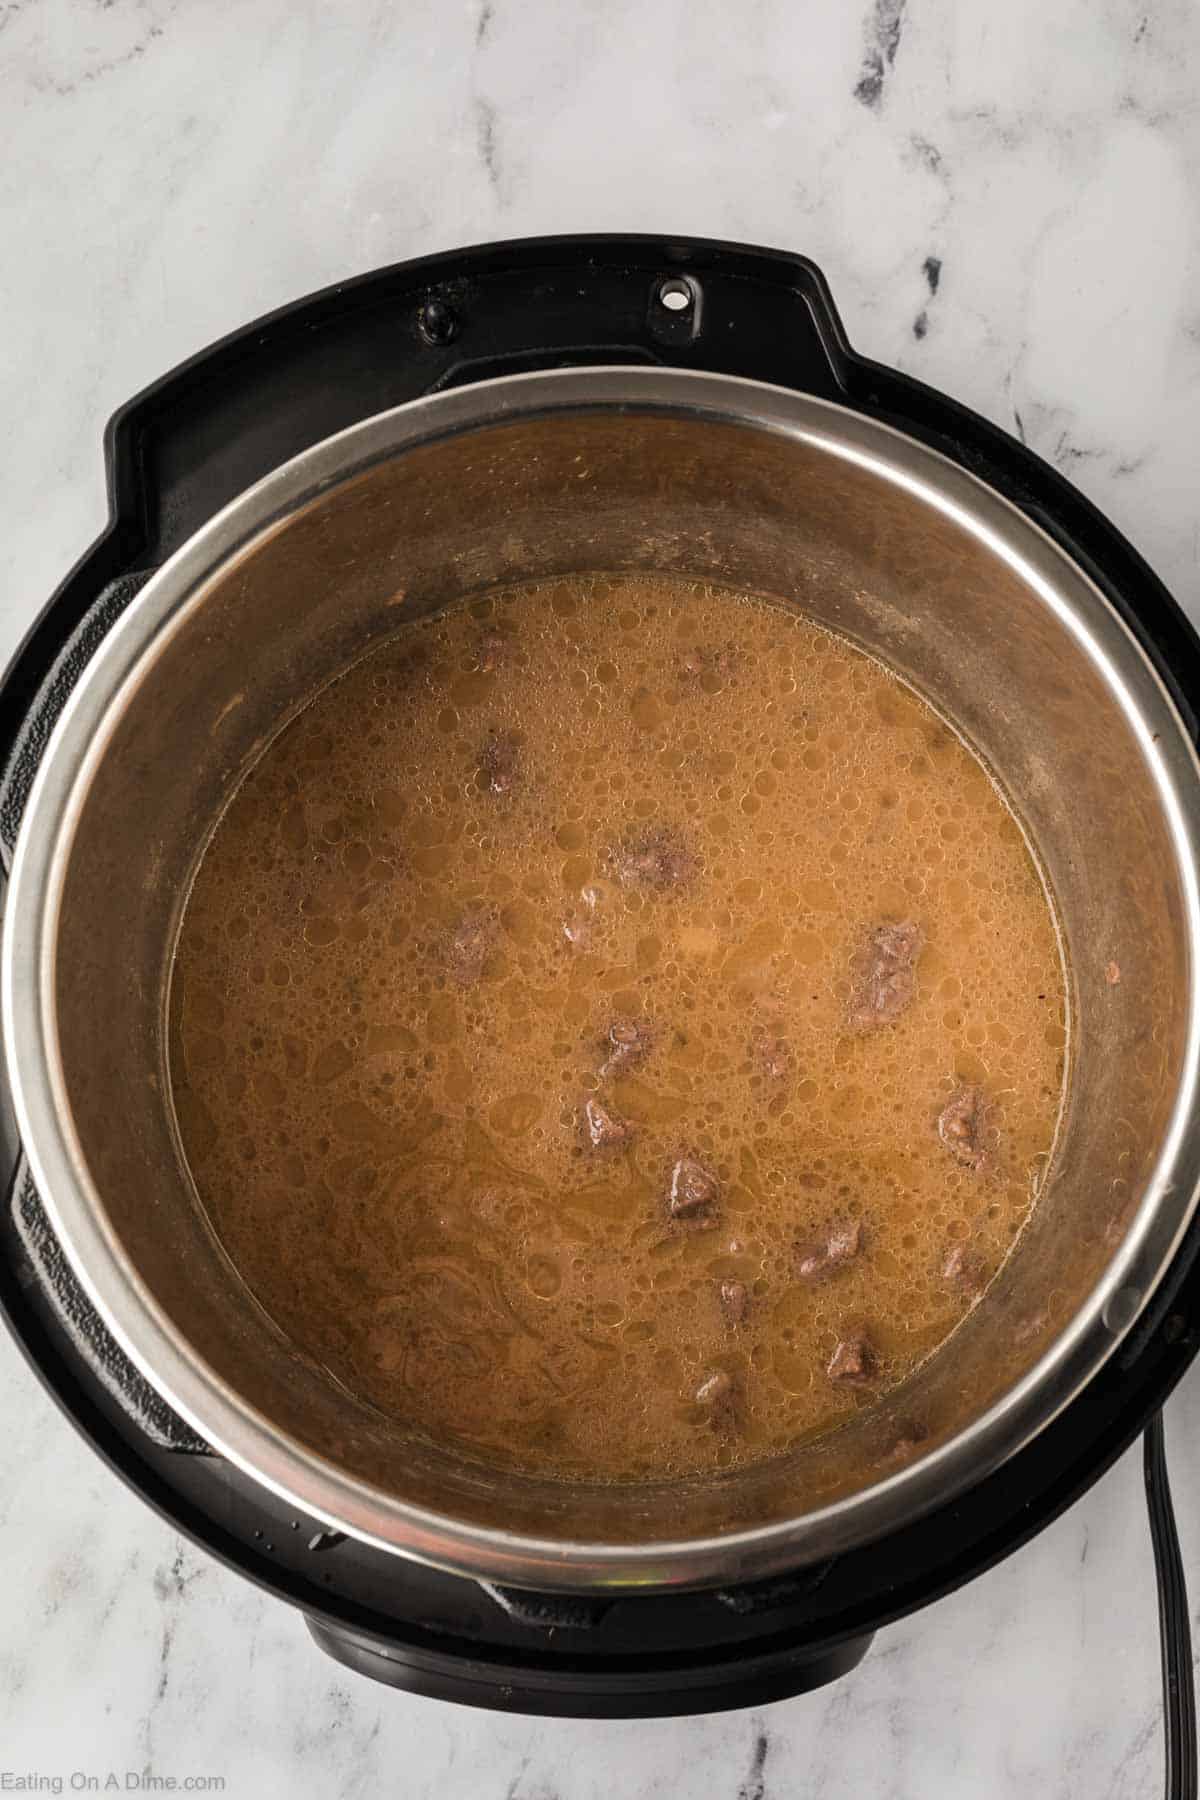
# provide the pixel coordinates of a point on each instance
(574, 1689)
(178, 453)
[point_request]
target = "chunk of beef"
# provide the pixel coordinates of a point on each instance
(578, 928)
(470, 944)
(606, 1130)
(1030, 1326)
(908, 1443)
(962, 1127)
(653, 857)
(735, 1302)
(499, 762)
(693, 1191)
(489, 651)
(628, 1045)
(962, 1269)
(770, 1051)
(710, 666)
(716, 1390)
(886, 974)
(853, 1362)
(839, 1247)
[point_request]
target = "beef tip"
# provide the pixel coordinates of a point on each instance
(886, 975)
(489, 652)
(841, 1246)
(711, 666)
(693, 1190)
(628, 1045)
(470, 946)
(499, 761)
(961, 1126)
(411, 665)
(606, 1129)
(771, 1053)
(715, 1390)
(853, 1362)
(735, 1302)
(578, 928)
(963, 1270)
(910, 1440)
(654, 857)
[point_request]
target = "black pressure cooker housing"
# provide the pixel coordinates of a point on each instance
(174, 456)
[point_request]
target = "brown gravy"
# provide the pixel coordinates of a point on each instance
(618, 1029)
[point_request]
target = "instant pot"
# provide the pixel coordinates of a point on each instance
(289, 498)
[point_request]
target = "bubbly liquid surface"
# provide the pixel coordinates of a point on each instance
(618, 1029)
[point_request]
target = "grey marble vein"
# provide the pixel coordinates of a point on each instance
(884, 25)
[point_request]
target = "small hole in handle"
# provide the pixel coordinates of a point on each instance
(676, 296)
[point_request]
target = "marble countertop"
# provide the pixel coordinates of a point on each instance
(1005, 200)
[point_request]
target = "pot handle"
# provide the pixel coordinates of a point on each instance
(722, 308)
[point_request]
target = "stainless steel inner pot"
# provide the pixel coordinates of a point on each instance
(618, 468)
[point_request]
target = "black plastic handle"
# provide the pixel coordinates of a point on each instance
(204, 433)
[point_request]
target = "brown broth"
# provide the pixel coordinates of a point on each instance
(640, 802)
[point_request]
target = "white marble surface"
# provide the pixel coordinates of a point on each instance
(170, 168)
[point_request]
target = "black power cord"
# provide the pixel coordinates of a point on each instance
(1179, 1695)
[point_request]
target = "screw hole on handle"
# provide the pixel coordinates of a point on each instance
(673, 310)
(438, 322)
(676, 296)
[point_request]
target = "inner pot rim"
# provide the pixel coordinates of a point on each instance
(217, 1412)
